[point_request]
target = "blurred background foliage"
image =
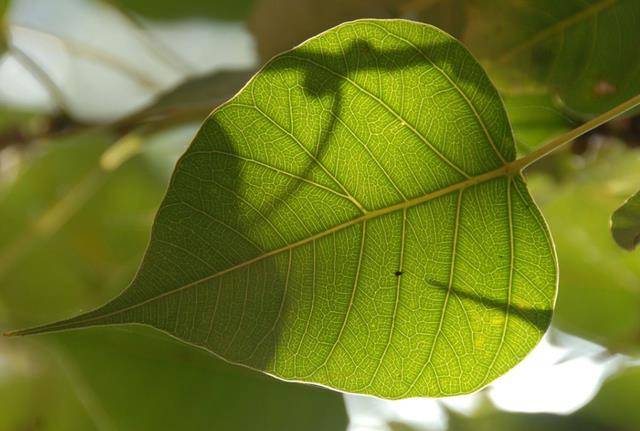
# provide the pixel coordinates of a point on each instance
(99, 98)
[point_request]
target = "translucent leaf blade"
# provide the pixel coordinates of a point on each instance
(352, 218)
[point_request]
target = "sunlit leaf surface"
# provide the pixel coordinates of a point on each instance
(352, 218)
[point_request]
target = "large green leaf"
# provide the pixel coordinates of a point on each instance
(625, 223)
(352, 218)
(586, 51)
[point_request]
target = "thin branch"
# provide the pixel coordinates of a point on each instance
(41, 76)
(162, 52)
(89, 52)
(565, 138)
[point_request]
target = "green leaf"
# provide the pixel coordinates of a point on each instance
(585, 51)
(625, 223)
(354, 218)
(164, 379)
(59, 383)
(535, 119)
(4, 4)
(614, 405)
(62, 204)
(598, 298)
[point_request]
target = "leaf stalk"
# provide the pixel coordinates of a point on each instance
(565, 138)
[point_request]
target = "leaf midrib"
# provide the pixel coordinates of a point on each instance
(510, 169)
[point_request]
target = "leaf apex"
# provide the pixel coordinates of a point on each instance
(59, 326)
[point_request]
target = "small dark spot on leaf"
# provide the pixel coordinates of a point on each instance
(398, 273)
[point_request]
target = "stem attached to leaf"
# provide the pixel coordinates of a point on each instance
(561, 140)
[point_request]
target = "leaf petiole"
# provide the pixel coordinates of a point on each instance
(565, 138)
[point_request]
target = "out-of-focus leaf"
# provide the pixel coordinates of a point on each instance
(279, 25)
(196, 96)
(617, 402)
(625, 223)
(599, 294)
(535, 119)
(171, 9)
(352, 218)
(449, 15)
(86, 381)
(91, 380)
(12, 119)
(503, 421)
(3, 42)
(175, 387)
(585, 51)
(66, 183)
(36, 395)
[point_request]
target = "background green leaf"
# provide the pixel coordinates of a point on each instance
(349, 219)
(305, 18)
(585, 51)
(4, 4)
(614, 405)
(535, 119)
(175, 387)
(625, 223)
(93, 380)
(599, 295)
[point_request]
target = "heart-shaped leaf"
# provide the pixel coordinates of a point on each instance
(353, 218)
(625, 223)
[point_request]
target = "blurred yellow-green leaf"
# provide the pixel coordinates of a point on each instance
(71, 233)
(616, 403)
(584, 51)
(535, 118)
(599, 293)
